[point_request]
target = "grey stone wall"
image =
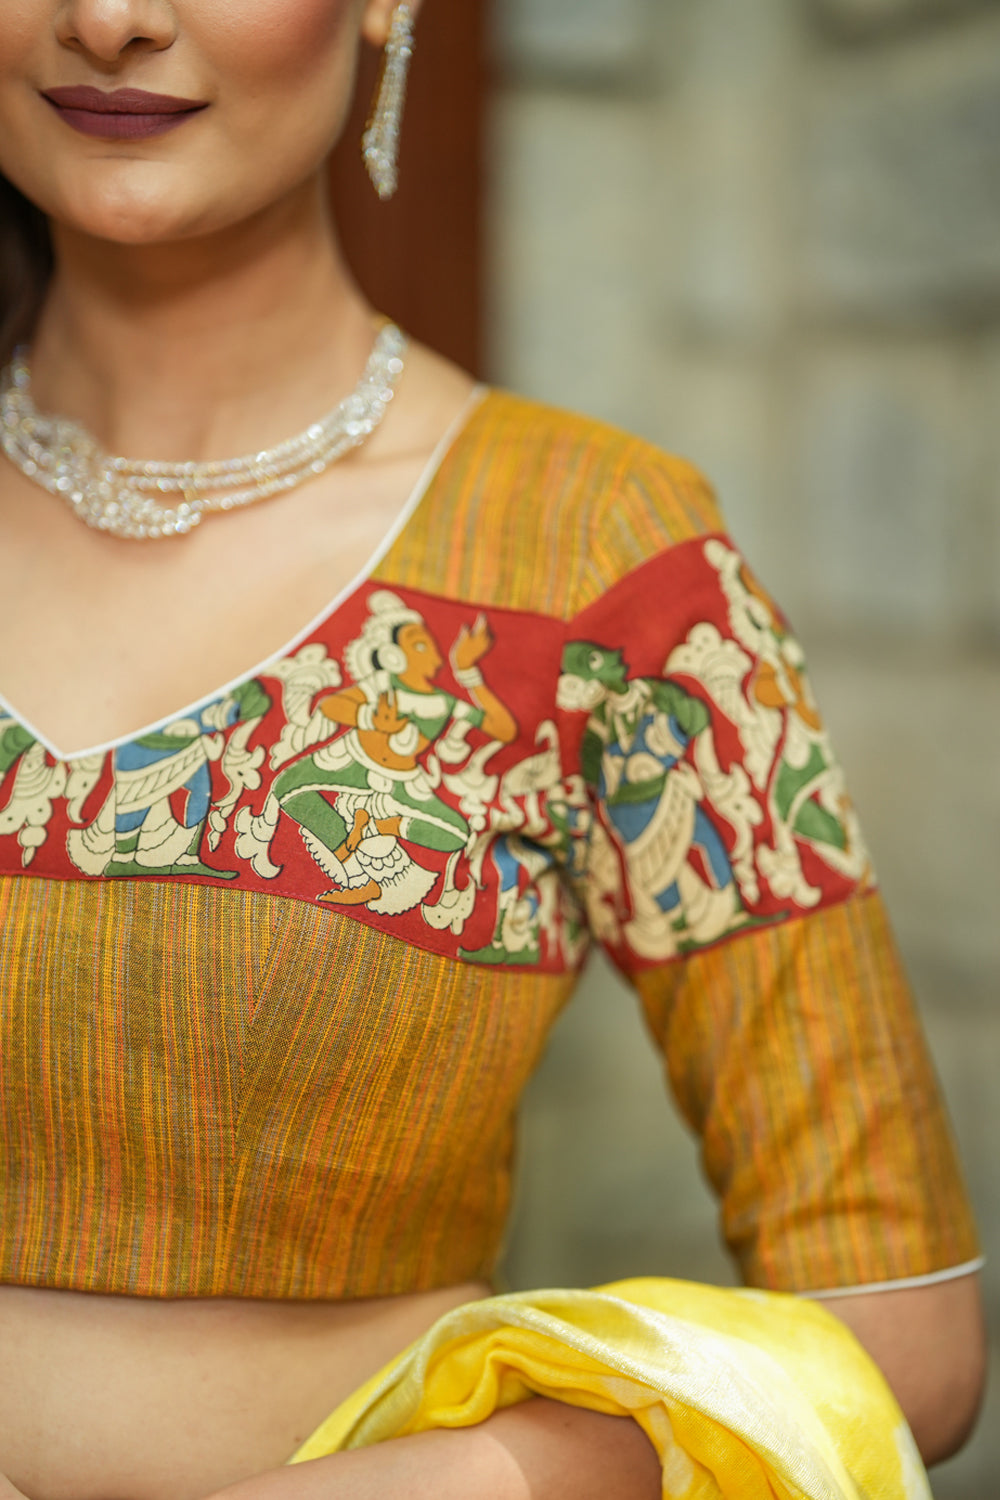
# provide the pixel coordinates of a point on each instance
(767, 236)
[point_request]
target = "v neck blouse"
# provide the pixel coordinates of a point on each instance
(275, 970)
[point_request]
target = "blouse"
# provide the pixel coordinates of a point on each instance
(275, 970)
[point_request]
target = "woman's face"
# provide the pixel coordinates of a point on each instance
(274, 78)
(420, 649)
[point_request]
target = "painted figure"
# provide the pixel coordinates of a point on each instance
(154, 819)
(682, 888)
(365, 797)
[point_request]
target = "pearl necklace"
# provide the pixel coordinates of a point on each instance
(128, 498)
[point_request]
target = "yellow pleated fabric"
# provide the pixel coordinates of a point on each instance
(745, 1395)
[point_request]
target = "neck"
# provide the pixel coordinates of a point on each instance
(417, 681)
(205, 348)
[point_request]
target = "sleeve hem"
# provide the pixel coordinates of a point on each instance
(934, 1278)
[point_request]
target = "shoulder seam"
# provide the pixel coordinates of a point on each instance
(634, 455)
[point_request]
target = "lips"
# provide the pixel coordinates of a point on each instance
(122, 114)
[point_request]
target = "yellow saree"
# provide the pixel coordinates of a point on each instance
(745, 1395)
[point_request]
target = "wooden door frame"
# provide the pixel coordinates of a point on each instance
(420, 258)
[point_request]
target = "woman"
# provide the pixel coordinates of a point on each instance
(276, 964)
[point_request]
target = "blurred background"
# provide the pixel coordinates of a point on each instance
(766, 235)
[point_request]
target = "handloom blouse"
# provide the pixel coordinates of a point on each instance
(274, 971)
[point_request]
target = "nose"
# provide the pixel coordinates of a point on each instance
(108, 29)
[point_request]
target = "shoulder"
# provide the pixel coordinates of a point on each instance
(584, 467)
(556, 507)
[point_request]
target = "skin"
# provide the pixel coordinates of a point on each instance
(931, 1345)
(201, 309)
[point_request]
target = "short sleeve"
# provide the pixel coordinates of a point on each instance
(721, 864)
(467, 713)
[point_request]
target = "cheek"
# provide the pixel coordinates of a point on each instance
(25, 29)
(271, 43)
(284, 69)
(22, 22)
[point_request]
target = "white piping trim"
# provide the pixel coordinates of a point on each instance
(935, 1278)
(434, 464)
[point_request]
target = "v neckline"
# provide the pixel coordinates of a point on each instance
(455, 432)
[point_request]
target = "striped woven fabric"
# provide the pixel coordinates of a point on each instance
(536, 509)
(274, 972)
(209, 1092)
(812, 1107)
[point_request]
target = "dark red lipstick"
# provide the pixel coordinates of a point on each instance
(123, 114)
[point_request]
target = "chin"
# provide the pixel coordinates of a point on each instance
(158, 208)
(135, 218)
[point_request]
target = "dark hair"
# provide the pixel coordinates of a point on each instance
(25, 266)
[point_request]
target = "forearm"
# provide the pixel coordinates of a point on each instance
(498, 723)
(540, 1450)
(550, 1451)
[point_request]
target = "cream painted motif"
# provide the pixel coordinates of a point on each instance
(36, 783)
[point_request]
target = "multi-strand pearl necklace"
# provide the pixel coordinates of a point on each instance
(129, 498)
